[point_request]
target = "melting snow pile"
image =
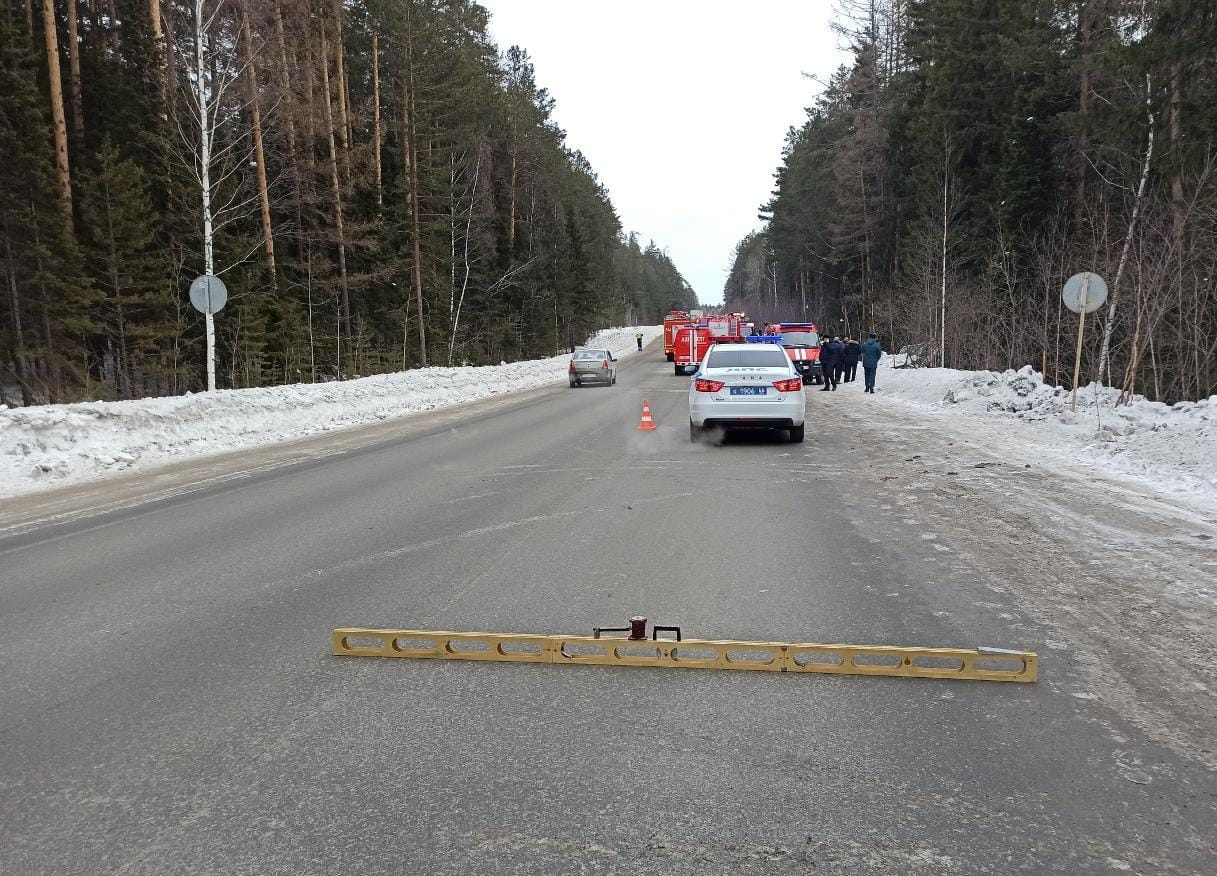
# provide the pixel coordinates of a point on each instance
(52, 445)
(1173, 446)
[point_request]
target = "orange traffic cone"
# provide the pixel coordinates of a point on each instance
(647, 423)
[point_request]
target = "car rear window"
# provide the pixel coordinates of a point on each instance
(583, 355)
(754, 358)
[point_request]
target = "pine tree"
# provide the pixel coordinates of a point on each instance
(129, 271)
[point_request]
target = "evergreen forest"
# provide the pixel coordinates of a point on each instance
(972, 156)
(377, 184)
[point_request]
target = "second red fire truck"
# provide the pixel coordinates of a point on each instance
(802, 343)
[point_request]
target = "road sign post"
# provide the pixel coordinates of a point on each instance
(1083, 293)
(208, 294)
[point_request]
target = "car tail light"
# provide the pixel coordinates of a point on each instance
(704, 385)
(793, 384)
(604, 364)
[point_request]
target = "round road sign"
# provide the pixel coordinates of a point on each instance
(1084, 291)
(208, 294)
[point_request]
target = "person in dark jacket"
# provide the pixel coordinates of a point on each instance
(871, 354)
(853, 352)
(838, 360)
(826, 364)
(832, 361)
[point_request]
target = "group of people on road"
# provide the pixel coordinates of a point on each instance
(839, 361)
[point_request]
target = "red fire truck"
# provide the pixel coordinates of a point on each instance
(727, 325)
(802, 343)
(692, 342)
(672, 323)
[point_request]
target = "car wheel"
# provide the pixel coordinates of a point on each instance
(614, 382)
(796, 433)
(679, 370)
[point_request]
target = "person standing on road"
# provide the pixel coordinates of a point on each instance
(830, 364)
(638, 338)
(871, 354)
(853, 352)
(838, 360)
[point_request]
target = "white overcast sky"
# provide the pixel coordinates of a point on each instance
(682, 106)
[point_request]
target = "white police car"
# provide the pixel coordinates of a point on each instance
(747, 386)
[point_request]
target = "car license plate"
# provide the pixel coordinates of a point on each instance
(749, 390)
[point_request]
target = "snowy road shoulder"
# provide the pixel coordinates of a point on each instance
(1166, 448)
(59, 445)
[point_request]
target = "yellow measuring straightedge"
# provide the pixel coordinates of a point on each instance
(980, 664)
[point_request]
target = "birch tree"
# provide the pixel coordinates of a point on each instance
(216, 155)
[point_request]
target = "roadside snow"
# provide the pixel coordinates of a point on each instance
(1173, 447)
(54, 445)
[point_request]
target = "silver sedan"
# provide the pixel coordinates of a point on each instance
(591, 365)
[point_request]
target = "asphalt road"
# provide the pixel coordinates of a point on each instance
(168, 703)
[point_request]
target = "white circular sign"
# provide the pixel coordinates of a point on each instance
(208, 294)
(1084, 291)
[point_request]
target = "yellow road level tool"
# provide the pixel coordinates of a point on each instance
(980, 664)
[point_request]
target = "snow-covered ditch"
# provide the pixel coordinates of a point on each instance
(1172, 447)
(54, 445)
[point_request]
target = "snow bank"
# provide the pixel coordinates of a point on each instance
(1172, 446)
(53, 445)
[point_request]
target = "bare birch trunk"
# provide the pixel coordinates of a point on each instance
(62, 167)
(255, 111)
(1109, 328)
(205, 108)
(456, 321)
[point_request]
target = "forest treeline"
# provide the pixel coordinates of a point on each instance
(975, 154)
(377, 184)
